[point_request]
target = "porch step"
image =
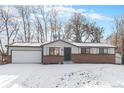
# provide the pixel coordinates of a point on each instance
(68, 62)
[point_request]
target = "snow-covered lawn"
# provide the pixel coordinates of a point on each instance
(67, 75)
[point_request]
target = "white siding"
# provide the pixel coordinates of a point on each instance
(23, 48)
(61, 44)
(47, 51)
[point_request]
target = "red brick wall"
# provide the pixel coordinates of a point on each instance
(95, 58)
(80, 58)
(52, 59)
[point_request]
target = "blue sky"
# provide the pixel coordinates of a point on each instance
(108, 11)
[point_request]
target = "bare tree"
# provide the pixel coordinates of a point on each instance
(24, 12)
(1, 45)
(120, 29)
(8, 23)
(39, 29)
(117, 37)
(16, 29)
(38, 25)
(44, 16)
(55, 25)
(96, 33)
(76, 27)
(1, 48)
(41, 22)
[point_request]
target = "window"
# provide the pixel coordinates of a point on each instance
(103, 50)
(94, 50)
(54, 51)
(85, 50)
(111, 51)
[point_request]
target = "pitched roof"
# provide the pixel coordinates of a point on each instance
(83, 44)
(72, 43)
(25, 45)
(93, 44)
(46, 43)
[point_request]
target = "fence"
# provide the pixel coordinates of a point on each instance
(118, 59)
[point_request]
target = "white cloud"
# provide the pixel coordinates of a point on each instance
(66, 11)
(98, 16)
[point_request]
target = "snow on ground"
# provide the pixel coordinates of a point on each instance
(63, 76)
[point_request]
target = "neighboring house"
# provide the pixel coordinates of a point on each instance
(61, 51)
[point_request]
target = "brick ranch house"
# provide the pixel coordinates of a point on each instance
(61, 51)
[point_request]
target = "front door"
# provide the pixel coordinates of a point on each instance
(67, 53)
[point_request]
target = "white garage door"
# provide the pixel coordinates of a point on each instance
(26, 57)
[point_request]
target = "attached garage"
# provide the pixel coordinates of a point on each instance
(26, 57)
(26, 53)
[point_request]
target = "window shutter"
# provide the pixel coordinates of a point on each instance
(60, 51)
